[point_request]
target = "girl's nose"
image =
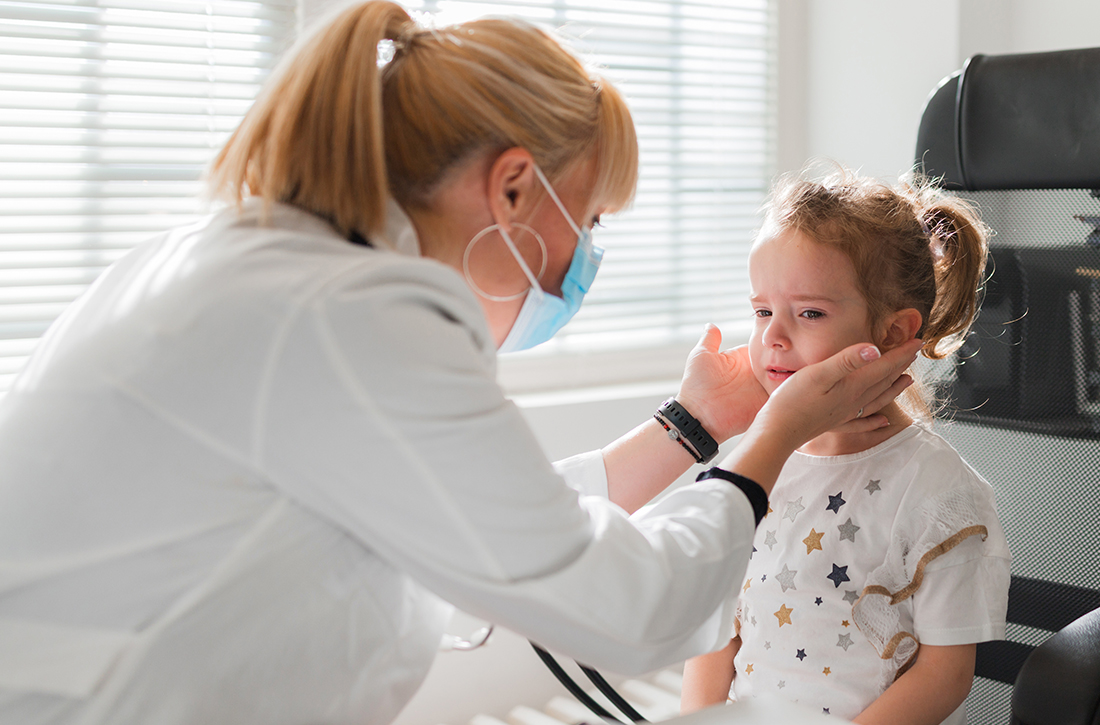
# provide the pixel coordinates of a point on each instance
(775, 334)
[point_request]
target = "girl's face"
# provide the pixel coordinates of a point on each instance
(806, 303)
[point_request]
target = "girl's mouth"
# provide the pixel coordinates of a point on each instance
(779, 374)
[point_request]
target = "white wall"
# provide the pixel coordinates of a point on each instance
(870, 66)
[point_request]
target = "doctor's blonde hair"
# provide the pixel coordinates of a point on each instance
(335, 131)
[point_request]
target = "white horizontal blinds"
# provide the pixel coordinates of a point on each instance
(698, 76)
(109, 112)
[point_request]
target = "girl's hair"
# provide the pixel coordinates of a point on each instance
(336, 130)
(911, 245)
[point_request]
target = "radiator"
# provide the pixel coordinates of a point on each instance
(656, 698)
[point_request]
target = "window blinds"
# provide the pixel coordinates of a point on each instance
(109, 112)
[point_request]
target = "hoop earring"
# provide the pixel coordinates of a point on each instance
(476, 239)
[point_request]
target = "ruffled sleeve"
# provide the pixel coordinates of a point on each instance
(944, 579)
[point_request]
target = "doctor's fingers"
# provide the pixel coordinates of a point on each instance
(876, 383)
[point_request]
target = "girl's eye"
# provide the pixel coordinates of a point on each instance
(763, 313)
(813, 314)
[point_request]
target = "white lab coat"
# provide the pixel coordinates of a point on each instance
(241, 475)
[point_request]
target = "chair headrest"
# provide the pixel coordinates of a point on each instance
(1018, 121)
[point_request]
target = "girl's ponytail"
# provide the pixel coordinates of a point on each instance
(957, 243)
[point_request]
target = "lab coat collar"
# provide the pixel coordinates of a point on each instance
(399, 232)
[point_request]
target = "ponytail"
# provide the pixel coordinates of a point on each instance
(957, 243)
(314, 138)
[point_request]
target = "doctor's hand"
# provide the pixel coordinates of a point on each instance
(719, 388)
(818, 398)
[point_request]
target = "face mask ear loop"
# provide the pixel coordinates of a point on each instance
(554, 196)
(519, 258)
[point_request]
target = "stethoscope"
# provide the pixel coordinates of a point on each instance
(480, 638)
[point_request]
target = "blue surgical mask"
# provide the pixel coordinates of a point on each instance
(543, 314)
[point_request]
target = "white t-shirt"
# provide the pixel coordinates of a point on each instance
(241, 474)
(860, 559)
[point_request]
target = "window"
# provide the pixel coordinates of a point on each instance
(109, 112)
(111, 109)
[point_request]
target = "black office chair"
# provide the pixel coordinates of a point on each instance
(1019, 135)
(1058, 682)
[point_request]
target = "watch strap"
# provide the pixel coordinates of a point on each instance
(690, 429)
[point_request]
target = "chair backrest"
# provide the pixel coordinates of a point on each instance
(1019, 135)
(1060, 682)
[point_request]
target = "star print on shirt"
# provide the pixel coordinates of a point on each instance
(825, 711)
(844, 641)
(748, 583)
(767, 644)
(873, 486)
(835, 502)
(847, 531)
(794, 508)
(748, 669)
(784, 615)
(769, 540)
(839, 576)
(826, 672)
(782, 684)
(850, 596)
(786, 578)
(818, 601)
(813, 541)
(845, 623)
(801, 655)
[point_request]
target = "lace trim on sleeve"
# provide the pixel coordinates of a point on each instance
(940, 525)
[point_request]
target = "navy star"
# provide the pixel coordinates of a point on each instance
(764, 577)
(825, 710)
(839, 576)
(801, 655)
(873, 486)
(835, 502)
(818, 601)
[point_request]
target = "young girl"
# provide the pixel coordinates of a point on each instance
(881, 562)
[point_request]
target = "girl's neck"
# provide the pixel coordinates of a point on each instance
(839, 444)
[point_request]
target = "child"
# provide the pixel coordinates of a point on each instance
(881, 562)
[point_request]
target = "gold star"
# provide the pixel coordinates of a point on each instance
(748, 669)
(769, 511)
(813, 541)
(827, 672)
(845, 623)
(748, 583)
(784, 615)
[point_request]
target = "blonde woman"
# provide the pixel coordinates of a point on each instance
(244, 477)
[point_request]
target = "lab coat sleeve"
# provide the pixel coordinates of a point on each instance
(584, 473)
(382, 414)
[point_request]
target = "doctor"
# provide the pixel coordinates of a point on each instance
(243, 474)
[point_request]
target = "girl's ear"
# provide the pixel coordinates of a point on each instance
(900, 327)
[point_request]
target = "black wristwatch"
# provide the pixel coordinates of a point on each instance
(690, 429)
